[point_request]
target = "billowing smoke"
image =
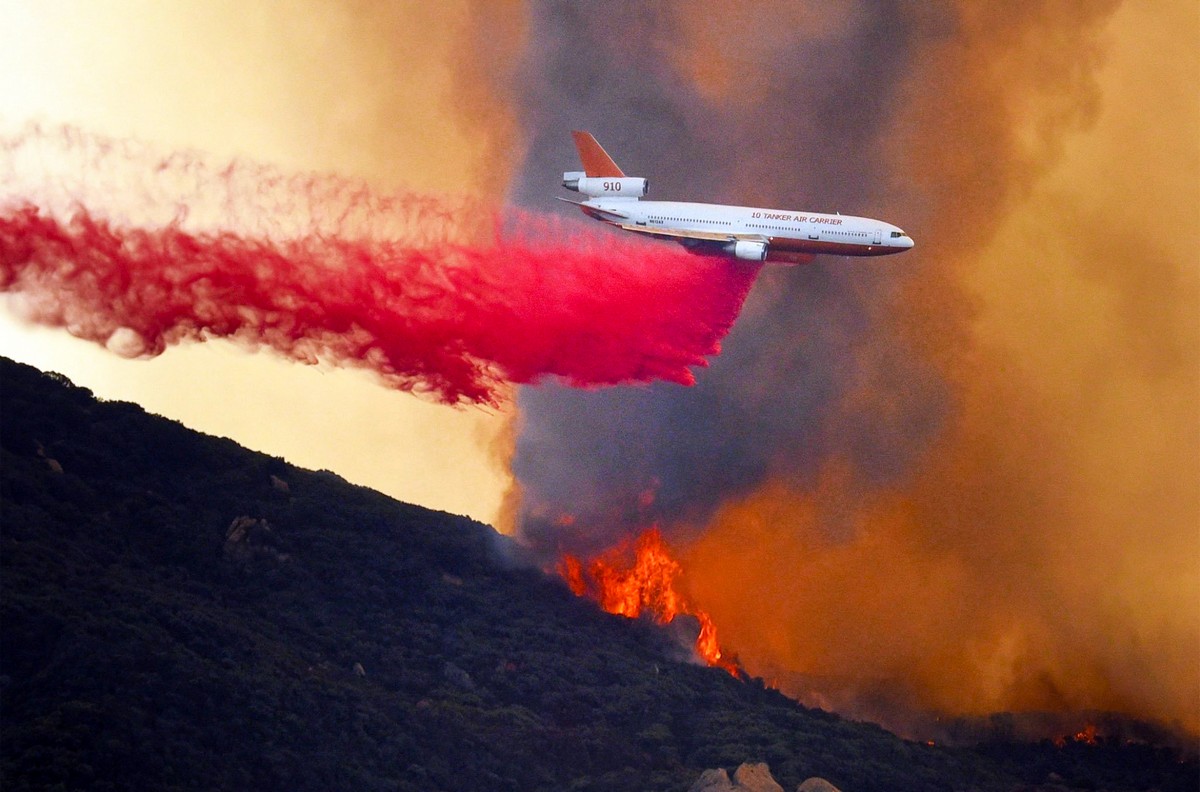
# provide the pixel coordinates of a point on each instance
(138, 250)
(631, 457)
(959, 481)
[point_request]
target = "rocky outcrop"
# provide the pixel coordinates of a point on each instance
(712, 781)
(248, 539)
(53, 464)
(755, 777)
(457, 677)
(752, 777)
(817, 785)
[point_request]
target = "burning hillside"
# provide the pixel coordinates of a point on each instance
(391, 647)
(964, 485)
(639, 577)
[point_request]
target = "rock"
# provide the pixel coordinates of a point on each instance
(712, 781)
(238, 530)
(359, 671)
(817, 785)
(51, 462)
(750, 777)
(279, 484)
(248, 539)
(457, 677)
(755, 777)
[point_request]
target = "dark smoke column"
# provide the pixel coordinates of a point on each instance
(798, 131)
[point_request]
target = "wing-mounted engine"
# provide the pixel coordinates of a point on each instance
(713, 244)
(747, 250)
(606, 186)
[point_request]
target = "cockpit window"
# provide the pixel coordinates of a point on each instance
(897, 234)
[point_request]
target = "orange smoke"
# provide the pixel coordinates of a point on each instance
(640, 577)
(1042, 554)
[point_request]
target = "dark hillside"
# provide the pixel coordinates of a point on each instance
(180, 613)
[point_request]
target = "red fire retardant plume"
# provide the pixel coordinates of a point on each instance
(453, 319)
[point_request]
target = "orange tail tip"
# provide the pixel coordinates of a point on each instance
(595, 159)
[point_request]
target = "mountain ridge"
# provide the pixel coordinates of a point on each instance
(180, 613)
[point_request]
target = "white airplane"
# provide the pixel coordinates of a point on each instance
(741, 232)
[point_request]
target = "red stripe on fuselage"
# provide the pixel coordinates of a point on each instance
(826, 247)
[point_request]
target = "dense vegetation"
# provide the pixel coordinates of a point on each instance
(179, 613)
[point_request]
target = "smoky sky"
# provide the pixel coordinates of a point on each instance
(618, 459)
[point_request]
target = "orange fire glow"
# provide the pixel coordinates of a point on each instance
(642, 584)
(1086, 735)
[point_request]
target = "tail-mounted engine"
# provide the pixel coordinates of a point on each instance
(606, 186)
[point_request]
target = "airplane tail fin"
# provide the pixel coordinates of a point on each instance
(595, 159)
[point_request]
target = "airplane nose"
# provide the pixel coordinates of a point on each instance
(908, 241)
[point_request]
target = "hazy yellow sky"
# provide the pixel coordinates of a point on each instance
(306, 86)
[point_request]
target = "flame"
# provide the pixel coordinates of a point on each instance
(1086, 735)
(643, 585)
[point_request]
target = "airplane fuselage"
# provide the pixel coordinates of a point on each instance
(740, 232)
(790, 235)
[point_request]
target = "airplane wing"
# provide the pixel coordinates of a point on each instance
(595, 211)
(706, 236)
